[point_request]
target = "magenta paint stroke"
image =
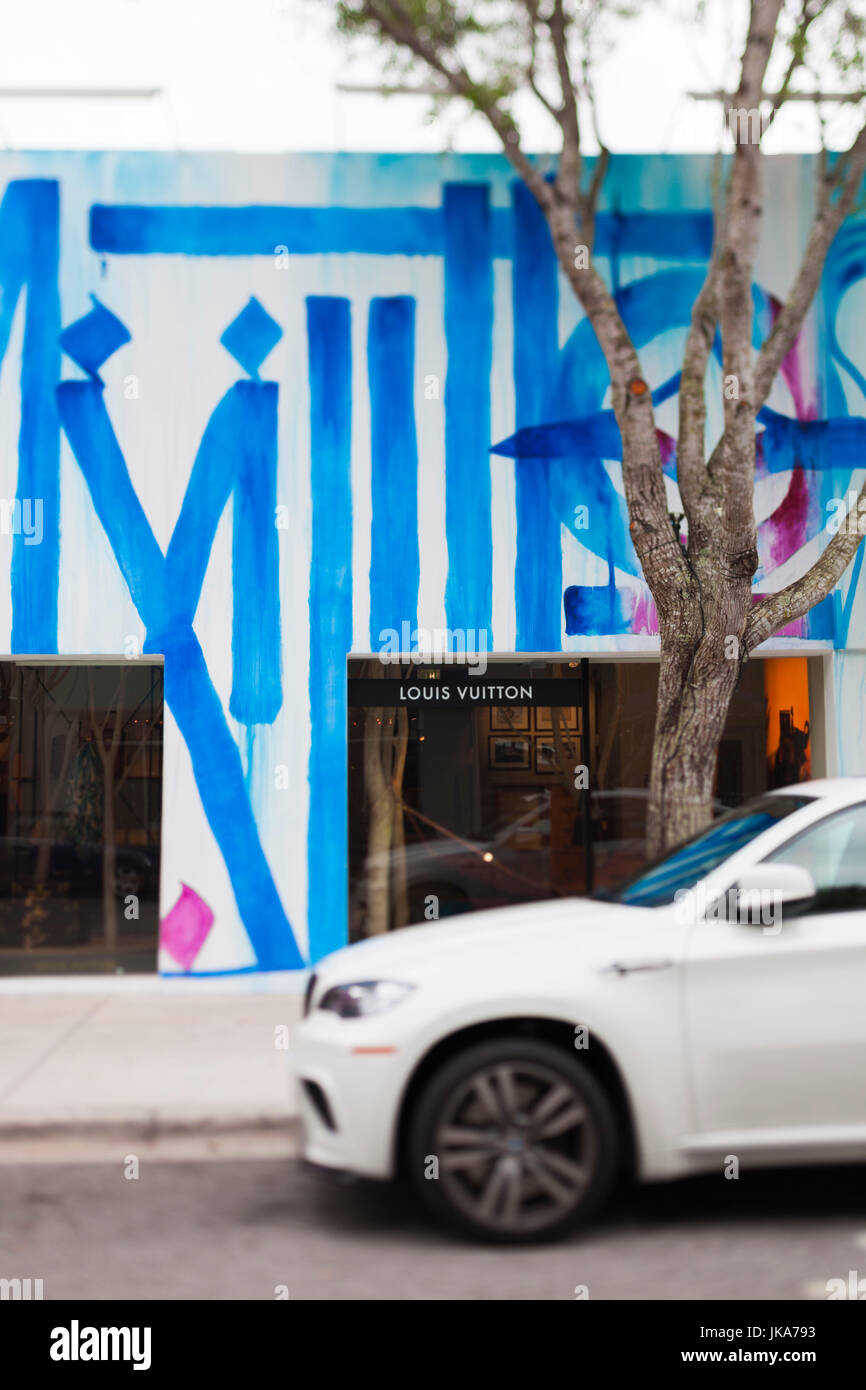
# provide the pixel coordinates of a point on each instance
(788, 528)
(184, 930)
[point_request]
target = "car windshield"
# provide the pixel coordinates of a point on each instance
(658, 883)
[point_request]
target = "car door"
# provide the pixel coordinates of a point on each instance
(776, 1013)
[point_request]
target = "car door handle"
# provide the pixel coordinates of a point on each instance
(630, 967)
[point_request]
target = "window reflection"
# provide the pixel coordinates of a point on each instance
(80, 810)
(452, 810)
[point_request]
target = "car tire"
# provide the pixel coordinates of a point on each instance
(505, 1170)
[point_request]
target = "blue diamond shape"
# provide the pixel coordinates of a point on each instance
(91, 340)
(251, 336)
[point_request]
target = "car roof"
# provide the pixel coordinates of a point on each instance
(835, 788)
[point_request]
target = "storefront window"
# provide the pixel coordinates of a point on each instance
(529, 782)
(80, 812)
(467, 794)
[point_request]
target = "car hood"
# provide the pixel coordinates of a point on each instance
(592, 927)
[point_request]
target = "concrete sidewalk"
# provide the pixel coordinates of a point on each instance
(164, 1068)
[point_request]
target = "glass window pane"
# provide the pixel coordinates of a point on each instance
(80, 803)
(833, 851)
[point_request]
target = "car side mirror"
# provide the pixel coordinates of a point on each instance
(764, 888)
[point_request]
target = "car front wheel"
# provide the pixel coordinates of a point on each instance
(513, 1140)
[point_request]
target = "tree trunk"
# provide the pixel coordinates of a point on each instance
(381, 828)
(109, 865)
(45, 829)
(108, 757)
(398, 854)
(694, 695)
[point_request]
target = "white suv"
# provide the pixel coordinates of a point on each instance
(514, 1061)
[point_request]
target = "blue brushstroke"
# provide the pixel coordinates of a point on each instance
(258, 230)
(560, 464)
(329, 336)
(251, 336)
(153, 586)
(394, 561)
(468, 313)
(92, 339)
(584, 443)
(29, 259)
(257, 693)
(818, 445)
(845, 266)
(667, 389)
(594, 609)
(214, 474)
(665, 236)
(237, 455)
(843, 612)
(538, 573)
(820, 621)
(566, 452)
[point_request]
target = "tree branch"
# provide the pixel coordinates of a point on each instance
(691, 466)
(658, 549)
(745, 214)
(780, 609)
(396, 24)
(809, 12)
(568, 175)
(590, 198)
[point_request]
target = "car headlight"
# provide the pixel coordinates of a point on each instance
(364, 998)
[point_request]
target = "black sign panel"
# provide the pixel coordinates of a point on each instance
(464, 692)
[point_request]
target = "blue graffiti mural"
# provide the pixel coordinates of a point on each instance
(329, 334)
(29, 256)
(563, 448)
(237, 454)
(395, 567)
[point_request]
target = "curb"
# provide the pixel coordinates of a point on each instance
(150, 1128)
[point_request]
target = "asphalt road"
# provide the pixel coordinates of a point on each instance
(227, 1229)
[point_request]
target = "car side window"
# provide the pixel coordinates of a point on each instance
(834, 852)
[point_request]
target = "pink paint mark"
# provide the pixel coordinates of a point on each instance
(184, 929)
(667, 450)
(786, 529)
(783, 533)
(645, 621)
(798, 371)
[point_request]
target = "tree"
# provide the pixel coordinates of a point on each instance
(386, 743)
(107, 747)
(489, 52)
(52, 722)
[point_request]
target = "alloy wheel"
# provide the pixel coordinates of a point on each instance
(518, 1147)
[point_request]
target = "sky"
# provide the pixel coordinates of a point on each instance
(265, 75)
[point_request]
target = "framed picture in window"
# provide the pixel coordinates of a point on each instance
(544, 718)
(509, 718)
(506, 754)
(545, 755)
